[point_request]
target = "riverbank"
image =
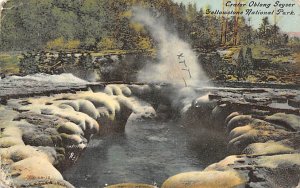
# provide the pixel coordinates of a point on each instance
(267, 65)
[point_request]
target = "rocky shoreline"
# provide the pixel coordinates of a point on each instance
(262, 138)
(44, 133)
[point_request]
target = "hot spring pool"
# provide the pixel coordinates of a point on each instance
(147, 152)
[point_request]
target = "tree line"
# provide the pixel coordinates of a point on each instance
(105, 25)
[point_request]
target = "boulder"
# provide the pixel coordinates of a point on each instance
(11, 136)
(21, 152)
(70, 128)
(205, 179)
(254, 132)
(238, 121)
(230, 116)
(34, 168)
(288, 121)
(34, 139)
(294, 102)
(219, 115)
(268, 148)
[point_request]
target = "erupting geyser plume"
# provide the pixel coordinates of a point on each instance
(2, 3)
(178, 63)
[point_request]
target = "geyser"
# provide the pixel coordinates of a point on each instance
(2, 3)
(177, 64)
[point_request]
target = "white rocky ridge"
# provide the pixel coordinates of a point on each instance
(43, 121)
(52, 130)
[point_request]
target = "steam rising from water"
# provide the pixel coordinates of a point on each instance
(2, 3)
(170, 46)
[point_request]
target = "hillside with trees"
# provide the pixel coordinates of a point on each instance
(104, 24)
(99, 25)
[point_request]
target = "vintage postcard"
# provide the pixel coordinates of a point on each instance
(150, 93)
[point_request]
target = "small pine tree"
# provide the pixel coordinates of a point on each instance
(249, 61)
(240, 65)
(244, 64)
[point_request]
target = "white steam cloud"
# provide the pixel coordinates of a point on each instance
(178, 63)
(2, 3)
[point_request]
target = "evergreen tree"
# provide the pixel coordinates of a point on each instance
(240, 71)
(55, 24)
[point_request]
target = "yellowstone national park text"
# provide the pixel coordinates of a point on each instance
(255, 8)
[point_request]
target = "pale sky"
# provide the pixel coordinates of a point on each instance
(288, 23)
